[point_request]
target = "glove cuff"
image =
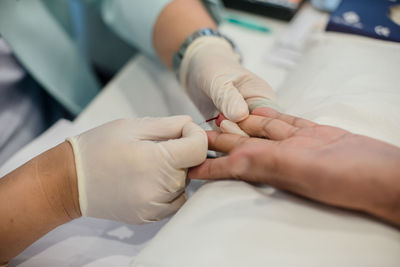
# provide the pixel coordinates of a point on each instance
(79, 174)
(263, 102)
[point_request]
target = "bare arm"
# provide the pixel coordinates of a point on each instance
(36, 198)
(177, 21)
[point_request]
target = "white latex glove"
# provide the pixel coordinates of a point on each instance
(134, 170)
(214, 78)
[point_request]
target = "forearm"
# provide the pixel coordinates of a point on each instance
(36, 198)
(176, 22)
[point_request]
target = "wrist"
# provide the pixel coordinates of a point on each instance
(384, 202)
(40, 195)
(56, 169)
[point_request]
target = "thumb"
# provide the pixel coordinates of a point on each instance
(257, 92)
(189, 150)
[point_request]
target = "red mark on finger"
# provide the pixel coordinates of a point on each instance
(220, 118)
(212, 119)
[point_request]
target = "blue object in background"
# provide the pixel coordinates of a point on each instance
(326, 5)
(372, 18)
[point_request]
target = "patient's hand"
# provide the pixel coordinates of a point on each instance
(324, 163)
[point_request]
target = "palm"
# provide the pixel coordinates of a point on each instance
(320, 162)
(315, 137)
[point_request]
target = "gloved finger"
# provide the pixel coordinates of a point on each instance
(256, 91)
(292, 120)
(164, 210)
(174, 184)
(187, 151)
(159, 129)
(229, 101)
(227, 126)
(270, 128)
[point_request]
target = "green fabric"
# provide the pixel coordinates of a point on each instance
(41, 36)
(133, 20)
(106, 50)
(47, 52)
(60, 11)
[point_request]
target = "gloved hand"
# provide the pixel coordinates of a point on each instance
(134, 170)
(212, 74)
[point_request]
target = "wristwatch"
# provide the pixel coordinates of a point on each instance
(178, 56)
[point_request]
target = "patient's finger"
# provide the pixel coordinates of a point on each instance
(255, 162)
(220, 118)
(211, 169)
(274, 129)
(227, 126)
(292, 120)
(221, 168)
(224, 142)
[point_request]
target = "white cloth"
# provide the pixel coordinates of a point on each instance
(350, 82)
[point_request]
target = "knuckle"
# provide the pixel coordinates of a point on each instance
(295, 120)
(178, 184)
(241, 140)
(265, 124)
(292, 131)
(240, 163)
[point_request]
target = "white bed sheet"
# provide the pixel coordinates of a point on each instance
(350, 82)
